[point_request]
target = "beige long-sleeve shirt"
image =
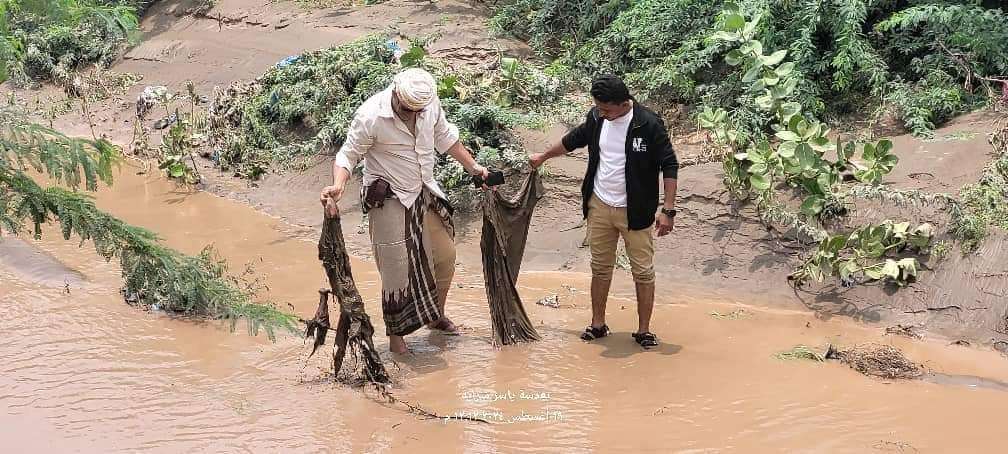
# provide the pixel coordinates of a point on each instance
(391, 152)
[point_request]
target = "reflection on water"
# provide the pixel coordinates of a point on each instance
(84, 372)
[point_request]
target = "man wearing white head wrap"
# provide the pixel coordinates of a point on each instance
(414, 88)
(397, 133)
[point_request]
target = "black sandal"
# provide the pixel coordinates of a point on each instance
(591, 333)
(646, 339)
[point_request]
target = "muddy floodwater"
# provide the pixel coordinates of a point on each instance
(81, 371)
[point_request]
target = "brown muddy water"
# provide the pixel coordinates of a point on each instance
(84, 372)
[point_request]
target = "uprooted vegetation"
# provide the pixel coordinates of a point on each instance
(873, 360)
(154, 275)
(301, 108)
(804, 183)
(878, 360)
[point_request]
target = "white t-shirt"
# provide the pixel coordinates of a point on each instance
(610, 181)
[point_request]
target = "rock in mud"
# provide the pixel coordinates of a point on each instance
(550, 301)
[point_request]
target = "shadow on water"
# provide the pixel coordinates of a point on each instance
(621, 344)
(832, 301)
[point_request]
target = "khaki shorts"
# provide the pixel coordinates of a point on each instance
(606, 225)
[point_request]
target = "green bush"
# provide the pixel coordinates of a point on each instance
(46, 40)
(927, 59)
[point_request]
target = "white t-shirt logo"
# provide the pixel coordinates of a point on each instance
(639, 145)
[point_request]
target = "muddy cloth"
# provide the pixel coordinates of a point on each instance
(354, 331)
(506, 220)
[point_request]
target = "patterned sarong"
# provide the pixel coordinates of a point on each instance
(406, 262)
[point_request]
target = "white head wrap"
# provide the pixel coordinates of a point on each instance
(415, 88)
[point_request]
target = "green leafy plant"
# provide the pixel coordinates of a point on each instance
(877, 161)
(413, 57)
(153, 273)
(865, 254)
(849, 56)
(49, 40)
(176, 152)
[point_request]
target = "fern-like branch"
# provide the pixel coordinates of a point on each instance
(154, 274)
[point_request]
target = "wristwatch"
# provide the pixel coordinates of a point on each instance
(669, 212)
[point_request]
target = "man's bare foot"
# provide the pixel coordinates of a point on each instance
(445, 326)
(398, 345)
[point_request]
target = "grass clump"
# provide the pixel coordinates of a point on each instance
(800, 352)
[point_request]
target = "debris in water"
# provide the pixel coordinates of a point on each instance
(876, 360)
(166, 122)
(903, 330)
(550, 301)
(733, 315)
(800, 352)
(961, 342)
(894, 446)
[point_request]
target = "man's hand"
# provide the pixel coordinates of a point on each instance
(537, 160)
(331, 194)
(663, 224)
(482, 172)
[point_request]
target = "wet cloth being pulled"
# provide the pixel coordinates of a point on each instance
(506, 219)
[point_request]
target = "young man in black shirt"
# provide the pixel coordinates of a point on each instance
(628, 145)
